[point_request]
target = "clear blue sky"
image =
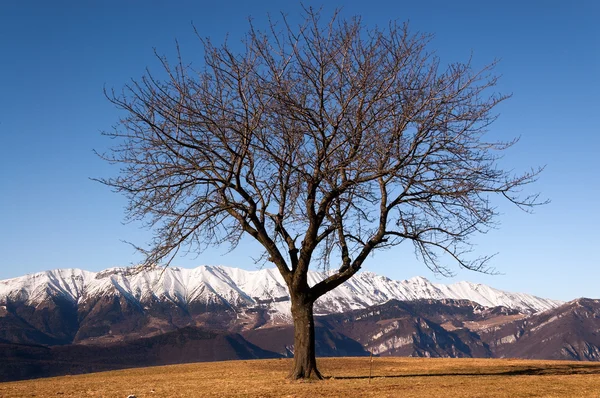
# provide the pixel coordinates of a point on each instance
(56, 57)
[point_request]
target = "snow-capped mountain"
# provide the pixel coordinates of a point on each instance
(240, 289)
(69, 320)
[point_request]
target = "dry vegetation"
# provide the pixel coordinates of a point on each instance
(347, 377)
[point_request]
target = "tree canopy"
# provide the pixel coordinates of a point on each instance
(323, 142)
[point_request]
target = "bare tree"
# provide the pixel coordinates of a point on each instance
(323, 142)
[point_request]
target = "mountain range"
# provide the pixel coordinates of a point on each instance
(73, 321)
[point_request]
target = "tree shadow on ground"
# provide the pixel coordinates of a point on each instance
(557, 370)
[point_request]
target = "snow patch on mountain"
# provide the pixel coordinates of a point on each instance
(240, 289)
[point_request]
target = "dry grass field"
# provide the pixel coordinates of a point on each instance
(346, 377)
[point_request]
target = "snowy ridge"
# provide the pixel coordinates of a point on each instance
(239, 289)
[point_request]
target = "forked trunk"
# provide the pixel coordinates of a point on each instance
(305, 363)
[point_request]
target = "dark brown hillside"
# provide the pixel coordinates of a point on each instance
(328, 343)
(571, 331)
(182, 346)
(107, 319)
(113, 332)
(395, 328)
(414, 328)
(52, 321)
(13, 329)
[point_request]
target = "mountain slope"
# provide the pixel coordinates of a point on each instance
(571, 331)
(73, 306)
(239, 289)
(20, 361)
(113, 332)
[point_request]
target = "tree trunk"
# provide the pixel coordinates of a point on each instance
(305, 363)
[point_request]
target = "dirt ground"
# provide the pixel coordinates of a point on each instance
(345, 377)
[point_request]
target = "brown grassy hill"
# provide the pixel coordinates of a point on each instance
(347, 377)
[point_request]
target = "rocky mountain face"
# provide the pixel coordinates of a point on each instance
(212, 313)
(75, 306)
(571, 331)
(451, 328)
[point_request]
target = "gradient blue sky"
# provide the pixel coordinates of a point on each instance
(56, 57)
